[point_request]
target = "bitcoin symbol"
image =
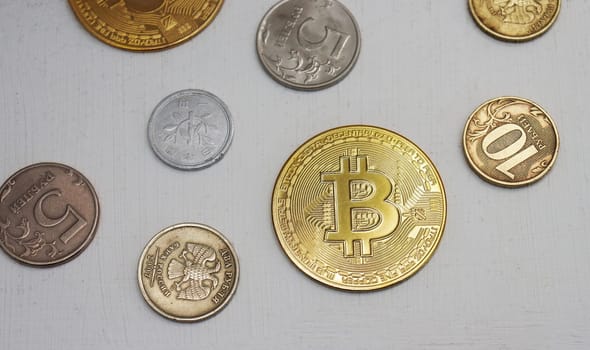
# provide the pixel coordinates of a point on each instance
(362, 211)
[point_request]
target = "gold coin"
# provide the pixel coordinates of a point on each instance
(515, 20)
(510, 141)
(359, 208)
(188, 272)
(144, 25)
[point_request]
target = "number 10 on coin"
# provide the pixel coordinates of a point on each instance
(510, 141)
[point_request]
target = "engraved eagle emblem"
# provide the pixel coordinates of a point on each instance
(519, 11)
(196, 271)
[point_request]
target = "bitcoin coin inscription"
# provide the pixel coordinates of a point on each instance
(511, 141)
(359, 208)
(143, 25)
(48, 214)
(308, 44)
(188, 272)
(515, 20)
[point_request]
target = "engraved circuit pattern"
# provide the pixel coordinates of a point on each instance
(145, 24)
(359, 208)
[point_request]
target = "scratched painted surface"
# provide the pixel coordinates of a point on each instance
(512, 271)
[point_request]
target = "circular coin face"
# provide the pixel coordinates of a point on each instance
(190, 129)
(515, 20)
(359, 208)
(188, 272)
(143, 25)
(48, 214)
(510, 141)
(308, 44)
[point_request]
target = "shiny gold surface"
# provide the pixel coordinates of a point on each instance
(144, 25)
(188, 272)
(515, 20)
(359, 208)
(510, 141)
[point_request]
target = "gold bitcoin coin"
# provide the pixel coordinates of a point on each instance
(144, 25)
(359, 208)
(515, 20)
(510, 141)
(188, 272)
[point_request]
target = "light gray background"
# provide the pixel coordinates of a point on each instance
(512, 271)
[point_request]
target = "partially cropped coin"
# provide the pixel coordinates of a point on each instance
(515, 20)
(188, 272)
(143, 25)
(308, 44)
(190, 129)
(359, 208)
(48, 214)
(511, 141)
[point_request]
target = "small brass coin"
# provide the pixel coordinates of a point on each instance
(510, 141)
(515, 20)
(188, 272)
(144, 25)
(49, 213)
(359, 208)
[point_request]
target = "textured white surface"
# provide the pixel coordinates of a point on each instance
(512, 271)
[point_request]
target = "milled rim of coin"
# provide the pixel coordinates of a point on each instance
(40, 239)
(494, 181)
(218, 156)
(116, 44)
(512, 38)
(196, 317)
(314, 87)
(317, 140)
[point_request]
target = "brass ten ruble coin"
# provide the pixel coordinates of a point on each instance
(48, 214)
(188, 272)
(359, 208)
(515, 20)
(143, 25)
(510, 141)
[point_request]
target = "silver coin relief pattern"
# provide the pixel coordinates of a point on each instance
(191, 129)
(308, 44)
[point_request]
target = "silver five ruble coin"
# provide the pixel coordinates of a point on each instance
(190, 129)
(308, 44)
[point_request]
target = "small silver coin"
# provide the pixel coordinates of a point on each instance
(190, 129)
(308, 44)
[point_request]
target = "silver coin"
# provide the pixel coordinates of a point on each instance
(190, 129)
(308, 44)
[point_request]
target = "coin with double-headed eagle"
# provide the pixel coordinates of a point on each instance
(188, 272)
(515, 20)
(144, 25)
